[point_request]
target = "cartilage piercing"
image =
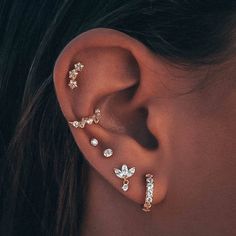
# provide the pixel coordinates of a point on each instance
(95, 118)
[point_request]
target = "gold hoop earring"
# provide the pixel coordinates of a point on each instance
(149, 192)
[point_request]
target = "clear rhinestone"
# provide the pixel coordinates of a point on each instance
(89, 121)
(108, 152)
(79, 66)
(73, 84)
(75, 124)
(125, 187)
(94, 142)
(73, 74)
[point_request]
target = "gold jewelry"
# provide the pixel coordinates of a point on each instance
(124, 174)
(73, 75)
(149, 192)
(95, 118)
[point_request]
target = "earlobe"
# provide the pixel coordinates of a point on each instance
(96, 79)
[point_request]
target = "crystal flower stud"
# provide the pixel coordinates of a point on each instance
(73, 75)
(124, 174)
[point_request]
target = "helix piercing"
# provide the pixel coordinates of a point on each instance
(95, 118)
(149, 192)
(124, 174)
(73, 75)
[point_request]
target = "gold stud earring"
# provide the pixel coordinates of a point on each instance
(73, 75)
(95, 118)
(124, 174)
(149, 192)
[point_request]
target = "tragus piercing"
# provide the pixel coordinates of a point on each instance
(124, 174)
(149, 192)
(73, 75)
(95, 118)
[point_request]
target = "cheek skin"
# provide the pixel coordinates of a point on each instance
(201, 149)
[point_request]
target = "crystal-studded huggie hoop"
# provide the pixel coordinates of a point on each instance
(95, 118)
(149, 193)
(124, 174)
(73, 75)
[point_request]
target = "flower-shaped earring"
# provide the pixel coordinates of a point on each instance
(124, 174)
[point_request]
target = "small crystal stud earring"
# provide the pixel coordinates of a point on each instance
(94, 142)
(124, 174)
(149, 192)
(94, 119)
(108, 153)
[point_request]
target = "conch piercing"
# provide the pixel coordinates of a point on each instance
(95, 118)
(149, 192)
(124, 174)
(73, 75)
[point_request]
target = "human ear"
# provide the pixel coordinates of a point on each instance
(117, 79)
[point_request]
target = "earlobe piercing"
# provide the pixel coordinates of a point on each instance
(73, 75)
(108, 153)
(124, 174)
(94, 142)
(95, 118)
(149, 192)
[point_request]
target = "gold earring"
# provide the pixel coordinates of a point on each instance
(124, 174)
(149, 193)
(95, 118)
(73, 75)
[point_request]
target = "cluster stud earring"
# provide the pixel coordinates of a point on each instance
(124, 174)
(149, 192)
(95, 118)
(73, 75)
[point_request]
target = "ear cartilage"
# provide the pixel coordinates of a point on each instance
(94, 142)
(73, 75)
(149, 193)
(124, 173)
(95, 118)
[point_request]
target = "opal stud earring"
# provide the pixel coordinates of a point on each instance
(95, 118)
(73, 75)
(124, 174)
(149, 192)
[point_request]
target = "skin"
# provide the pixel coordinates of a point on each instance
(174, 122)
